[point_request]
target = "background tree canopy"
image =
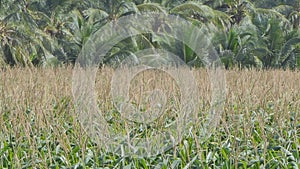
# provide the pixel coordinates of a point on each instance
(248, 33)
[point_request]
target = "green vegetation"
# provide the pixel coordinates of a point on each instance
(259, 127)
(40, 41)
(246, 33)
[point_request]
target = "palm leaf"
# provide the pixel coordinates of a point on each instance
(94, 15)
(150, 7)
(191, 8)
(289, 48)
(285, 10)
(126, 8)
(263, 16)
(203, 13)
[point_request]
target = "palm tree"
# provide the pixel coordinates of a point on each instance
(15, 44)
(96, 14)
(278, 39)
(107, 10)
(244, 32)
(202, 14)
(57, 39)
(6, 34)
(28, 42)
(291, 11)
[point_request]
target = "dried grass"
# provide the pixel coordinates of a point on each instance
(36, 101)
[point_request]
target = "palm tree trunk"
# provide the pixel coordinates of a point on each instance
(8, 57)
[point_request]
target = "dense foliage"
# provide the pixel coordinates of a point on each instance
(248, 32)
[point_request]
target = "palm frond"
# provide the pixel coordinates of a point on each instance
(285, 10)
(262, 15)
(191, 8)
(288, 49)
(203, 13)
(151, 7)
(93, 15)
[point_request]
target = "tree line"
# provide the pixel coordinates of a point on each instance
(247, 33)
